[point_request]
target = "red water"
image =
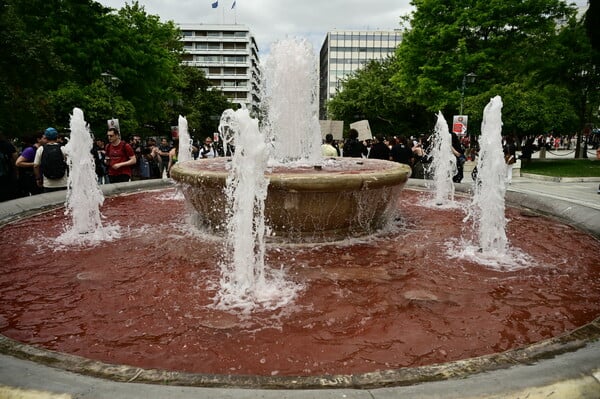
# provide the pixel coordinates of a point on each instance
(391, 301)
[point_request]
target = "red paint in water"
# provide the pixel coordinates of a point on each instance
(388, 302)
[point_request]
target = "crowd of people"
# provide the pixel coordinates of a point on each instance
(415, 151)
(411, 151)
(40, 165)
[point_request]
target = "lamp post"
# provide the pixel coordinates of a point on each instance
(112, 82)
(468, 78)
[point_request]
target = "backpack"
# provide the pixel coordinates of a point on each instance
(53, 163)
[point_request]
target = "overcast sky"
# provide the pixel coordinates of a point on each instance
(272, 20)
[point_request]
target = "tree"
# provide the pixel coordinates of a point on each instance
(369, 94)
(502, 41)
(148, 64)
(198, 101)
(592, 24)
(52, 54)
(576, 67)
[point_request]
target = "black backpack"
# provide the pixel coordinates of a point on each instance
(53, 163)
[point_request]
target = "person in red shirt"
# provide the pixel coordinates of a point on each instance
(119, 157)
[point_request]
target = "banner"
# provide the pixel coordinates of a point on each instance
(459, 124)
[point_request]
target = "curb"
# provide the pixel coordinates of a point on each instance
(557, 179)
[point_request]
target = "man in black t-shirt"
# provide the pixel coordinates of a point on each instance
(163, 151)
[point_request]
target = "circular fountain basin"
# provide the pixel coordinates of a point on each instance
(342, 198)
(375, 311)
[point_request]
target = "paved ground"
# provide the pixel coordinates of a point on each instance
(569, 375)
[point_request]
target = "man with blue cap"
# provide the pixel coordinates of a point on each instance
(49, 164)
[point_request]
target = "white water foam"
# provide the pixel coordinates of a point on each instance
(246, 283)
(84, 197)
(487, 210)
(443, 166)
(290, 102)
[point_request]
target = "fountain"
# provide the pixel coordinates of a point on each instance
(378, 307)
(308, 199)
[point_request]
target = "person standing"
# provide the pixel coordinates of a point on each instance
(136, 144)
(49, 165)
(380, 150)
(208, 150)
(354, 148)
(163, 151)
(173, 156)
(8, 172)
(459, 153)
(401, 152)
(327, 148)
(27, 183)
(99, 155)
(510, 157)
(119, 157)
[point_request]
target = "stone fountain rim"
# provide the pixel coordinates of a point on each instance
(571, 341)
(323, 180)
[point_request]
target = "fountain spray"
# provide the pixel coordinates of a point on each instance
(291, 102)
(443, 166)
(185, 142)
(490, 187)
(84, 196)
(245, 280)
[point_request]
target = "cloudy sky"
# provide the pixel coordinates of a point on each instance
(272, 20)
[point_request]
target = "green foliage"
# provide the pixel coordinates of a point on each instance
(499, 40)
(200, 104)
(52, 53)
(369, 94)
(533, 53)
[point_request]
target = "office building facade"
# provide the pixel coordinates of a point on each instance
(343, 52)
(228, 55)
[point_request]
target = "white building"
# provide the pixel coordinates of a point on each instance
(228, 55)
(344, 52)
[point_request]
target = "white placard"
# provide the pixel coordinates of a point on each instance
(336, 128)
(363, 128)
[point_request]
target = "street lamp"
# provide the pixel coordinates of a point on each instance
(112, 82)
(468, 78)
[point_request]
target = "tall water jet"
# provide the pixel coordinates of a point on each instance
(443, 166)
(291, 102)
(245, 281)
(490, 188)
(184, 152)
(84, 197)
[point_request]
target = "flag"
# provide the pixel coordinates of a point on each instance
(215, 4)
(233, 5)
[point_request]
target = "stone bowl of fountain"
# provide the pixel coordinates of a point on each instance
(341, 198)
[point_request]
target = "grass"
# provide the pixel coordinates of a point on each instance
(563, 167)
